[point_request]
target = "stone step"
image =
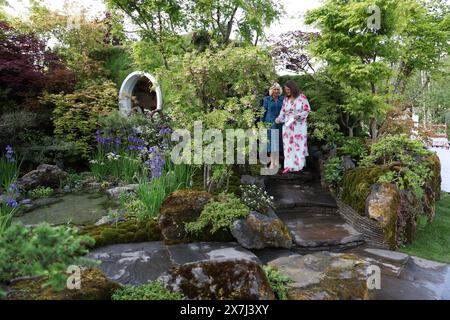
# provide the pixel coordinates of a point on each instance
(391, 263)
(296, 194)
(316, 231)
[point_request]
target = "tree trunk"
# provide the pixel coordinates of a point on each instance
(373, 127)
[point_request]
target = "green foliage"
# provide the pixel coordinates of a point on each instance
(152, 194)
(355, 148)
(75, 44)
(9, 171)
(219, 213)
(278, 282)
(42, 251)
(74, 181)
(122, 165)
(222, 89)
(333, 171)
(118, 61)
(132, 206)
(40, 192)
(256, 198)
(407, 159)
(118, 124)
(8, 208)
(76, 115)
(412, 37)
(151, 291)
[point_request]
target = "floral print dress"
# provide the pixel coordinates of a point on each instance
(294, 114)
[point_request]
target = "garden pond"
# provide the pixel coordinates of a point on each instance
(79, 208)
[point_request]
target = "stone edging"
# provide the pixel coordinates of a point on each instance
(373, 233)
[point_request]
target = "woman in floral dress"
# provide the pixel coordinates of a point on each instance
(293, 115)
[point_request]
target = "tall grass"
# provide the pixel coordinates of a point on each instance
(123, 165)
(153, 193)
(9, 170)
(8, 209)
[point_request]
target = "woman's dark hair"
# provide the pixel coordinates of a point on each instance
(295, 90)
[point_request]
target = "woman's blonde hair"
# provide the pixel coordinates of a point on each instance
(275, 86)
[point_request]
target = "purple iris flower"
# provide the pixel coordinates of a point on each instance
(10, 154)
(11, 203)
(165, 131)
(13, 188)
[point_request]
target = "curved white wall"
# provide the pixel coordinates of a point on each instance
(126, 91)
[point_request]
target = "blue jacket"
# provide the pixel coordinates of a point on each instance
(272, 109)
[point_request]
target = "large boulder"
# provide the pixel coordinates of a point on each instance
(258, 231)
(94, 286)
(180, 208)
(45, 175)
(220, 279)
(325, 276)
(382, 205)
(396, 211)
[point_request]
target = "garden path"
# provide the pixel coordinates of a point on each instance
(311, 214)
(444, 156)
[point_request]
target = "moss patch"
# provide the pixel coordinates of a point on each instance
(356, 185)
(94, 286)
(130, 231)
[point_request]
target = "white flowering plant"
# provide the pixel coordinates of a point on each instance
(256, 198)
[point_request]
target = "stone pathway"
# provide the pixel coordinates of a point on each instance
(310, 214)
(138, 263)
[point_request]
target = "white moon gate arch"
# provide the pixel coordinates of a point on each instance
(140, 91)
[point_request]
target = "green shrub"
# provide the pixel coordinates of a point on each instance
(355, 148)
(151, 291)
(42, 251)
(132, 206)
(118, 124)
(333, 171)
(278, 282)
(256, 198)
(75, 115)
(219, 213)
(40, 192)
(74, 181)
(407, 159)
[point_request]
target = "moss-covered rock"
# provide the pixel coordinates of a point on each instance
(220, 280)
(356, 186)
(130, 231)
(432, 188)
(382, 205)
(324, 276)
(181, 207)
(94, 286)
(259, 231)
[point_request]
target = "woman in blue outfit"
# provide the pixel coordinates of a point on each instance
(272, 106)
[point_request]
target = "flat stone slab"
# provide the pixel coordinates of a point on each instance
(139, 263)
(325, 276)
(420, 279)
(309, 230)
